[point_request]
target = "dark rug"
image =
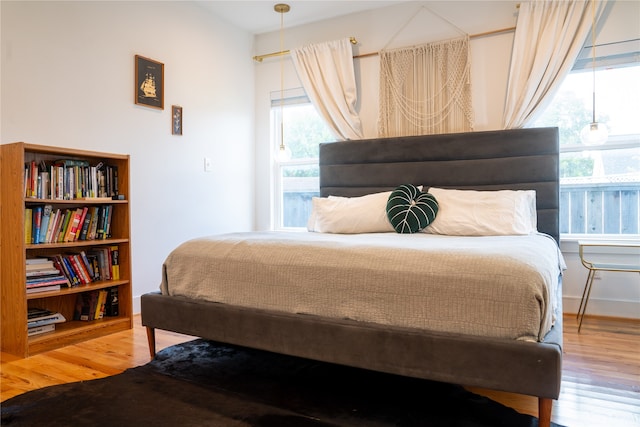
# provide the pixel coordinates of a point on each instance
(203, 383)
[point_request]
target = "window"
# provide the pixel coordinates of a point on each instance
(297, 177)
(599, 184)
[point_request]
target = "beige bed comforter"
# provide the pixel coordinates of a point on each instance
(497, 286)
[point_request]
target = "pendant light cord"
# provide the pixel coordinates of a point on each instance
(593, 55)
(282, 12)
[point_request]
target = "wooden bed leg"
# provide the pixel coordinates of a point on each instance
(544, 412)
(151, 339)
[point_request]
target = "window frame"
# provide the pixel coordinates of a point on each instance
(292, 97)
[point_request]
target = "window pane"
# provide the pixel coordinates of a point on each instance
(599, 185)
(304, 129)
(617, 103)
(299, 185)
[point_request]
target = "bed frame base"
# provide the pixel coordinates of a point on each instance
(545, 405)
(518, 367)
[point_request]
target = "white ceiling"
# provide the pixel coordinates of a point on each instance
(259, 17)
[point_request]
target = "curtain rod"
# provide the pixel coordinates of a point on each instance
(259, 58)
(353, 40)
(473, 36)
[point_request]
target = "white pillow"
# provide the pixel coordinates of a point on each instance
(484, 213)
(350, 215)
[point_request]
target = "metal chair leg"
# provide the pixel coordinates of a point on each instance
(583, 302)
(584, 291)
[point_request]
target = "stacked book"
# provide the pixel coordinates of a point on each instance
(43, 276)
(40, 321)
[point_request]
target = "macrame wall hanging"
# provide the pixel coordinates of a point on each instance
(426, 89)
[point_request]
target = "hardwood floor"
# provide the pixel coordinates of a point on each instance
(601, 370)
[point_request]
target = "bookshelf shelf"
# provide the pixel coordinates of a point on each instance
(82, 243)
(14, 249)
(103, 284)
(83, 201)
(71, 332)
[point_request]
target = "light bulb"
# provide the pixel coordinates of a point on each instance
(594, 134)
(284, 153)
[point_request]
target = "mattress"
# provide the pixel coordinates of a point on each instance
(490, 286)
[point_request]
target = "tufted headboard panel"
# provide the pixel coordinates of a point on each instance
(513, 159)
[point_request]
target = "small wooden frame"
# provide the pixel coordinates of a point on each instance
(176, 120)
(149, 83)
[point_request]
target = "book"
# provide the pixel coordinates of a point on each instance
(55, 235)
(57, 262)
(39, 317)
(31, 175)
(101, 222)
(44, 184)
(115, 187)
(74, 280)
(34, 270)
(39, 267)
(93, 226)
(37, 224)
(28, 225)
(59, 183)
(75, 267)
(104, 262)
(53, 223)
(100, 304)
(42, 273)
(115, 262)
(49, 288)
(78, 267)
(57, 279)
(33, 312)
(36, 260)
(64, 224)
(102, 191)
(87, 264)
(107, 222)
(111, 306)
(84, 230)
(72, 162)
(46, 217)
(86, 305)
(74, 223)
(76, 232)
(37, 330)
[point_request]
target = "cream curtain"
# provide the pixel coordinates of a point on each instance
(549, 36)
(425, 89)
(328, 77)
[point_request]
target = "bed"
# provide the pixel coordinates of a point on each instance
(494, 354)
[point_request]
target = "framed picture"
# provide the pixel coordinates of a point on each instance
(176, 120)
(149, 83)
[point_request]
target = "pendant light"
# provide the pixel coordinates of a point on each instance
(283, 152)
(594, 133)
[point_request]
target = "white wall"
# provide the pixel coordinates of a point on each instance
(616, 294)
(68, 80)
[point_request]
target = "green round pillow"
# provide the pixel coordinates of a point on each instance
(409, 210)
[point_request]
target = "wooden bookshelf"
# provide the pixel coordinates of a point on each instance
(14, 250)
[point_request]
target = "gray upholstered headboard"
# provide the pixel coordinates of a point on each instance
(516, 159)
